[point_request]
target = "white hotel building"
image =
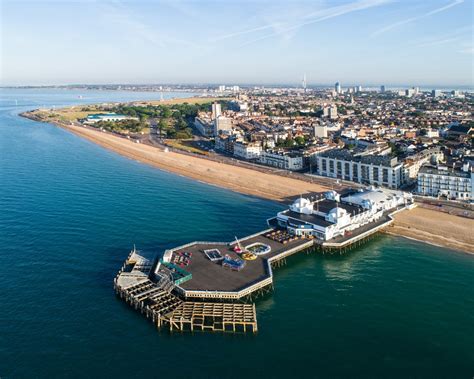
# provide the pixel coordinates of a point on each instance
(333, 215)
(378, 170)
(443, 181)
(247, 150)
(282, 159)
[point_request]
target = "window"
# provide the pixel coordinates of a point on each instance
(375, 174)
(355, 172)
(385, 175)
(347, 169)
(339, 169)
(365, 174)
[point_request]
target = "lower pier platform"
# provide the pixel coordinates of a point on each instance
(211, 280)
(216, 317)
(156, 300)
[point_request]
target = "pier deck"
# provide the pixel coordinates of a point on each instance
(212, 280)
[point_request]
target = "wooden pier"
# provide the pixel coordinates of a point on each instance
(155, 299)
(216, 317)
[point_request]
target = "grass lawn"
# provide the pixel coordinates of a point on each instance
(185, 145)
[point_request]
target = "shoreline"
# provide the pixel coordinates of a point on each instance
(423, 225)
(436, 228)
(236, 178)
(401, 235)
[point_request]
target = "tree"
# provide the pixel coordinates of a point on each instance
(300, 140)
(162, 124)
(166, 112)
(181, 124)
(289, 142)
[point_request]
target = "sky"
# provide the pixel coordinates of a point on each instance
(366, 42)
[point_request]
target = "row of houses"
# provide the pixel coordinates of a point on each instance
(254, 151)
(265, 152)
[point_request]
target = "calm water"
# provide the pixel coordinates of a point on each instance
(70, 211)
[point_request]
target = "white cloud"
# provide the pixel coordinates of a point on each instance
(412, 19)
(453, 36)
(286, 29)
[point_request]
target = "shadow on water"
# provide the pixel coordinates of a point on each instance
(303, 261)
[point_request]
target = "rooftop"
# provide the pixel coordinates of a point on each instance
(381, 160)
(444, 172)
(102, 115)
(323, 206)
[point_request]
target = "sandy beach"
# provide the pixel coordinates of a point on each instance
(239, 179)
(421, 224)
(434, 227)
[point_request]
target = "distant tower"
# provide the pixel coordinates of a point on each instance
(304, 82)
(337, 87)
(382, 88)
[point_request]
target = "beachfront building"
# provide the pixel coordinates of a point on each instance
(282, 159)
(204, 125)
(246, 150)
(329, 215)
(225, 143)
(443, 181)
(378, 170)
(93, 118)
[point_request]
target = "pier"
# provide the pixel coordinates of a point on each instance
(213, 298)
(212, 286)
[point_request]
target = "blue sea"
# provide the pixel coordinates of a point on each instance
(70, 212)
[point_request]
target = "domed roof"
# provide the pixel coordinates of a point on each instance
(302, 205)
(337, 212)
(301, 202)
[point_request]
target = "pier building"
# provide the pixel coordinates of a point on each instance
(329, 215)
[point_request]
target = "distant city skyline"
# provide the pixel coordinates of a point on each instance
(366, 42)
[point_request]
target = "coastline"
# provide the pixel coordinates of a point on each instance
(236, 178)
(436, 228)
(420, 224)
